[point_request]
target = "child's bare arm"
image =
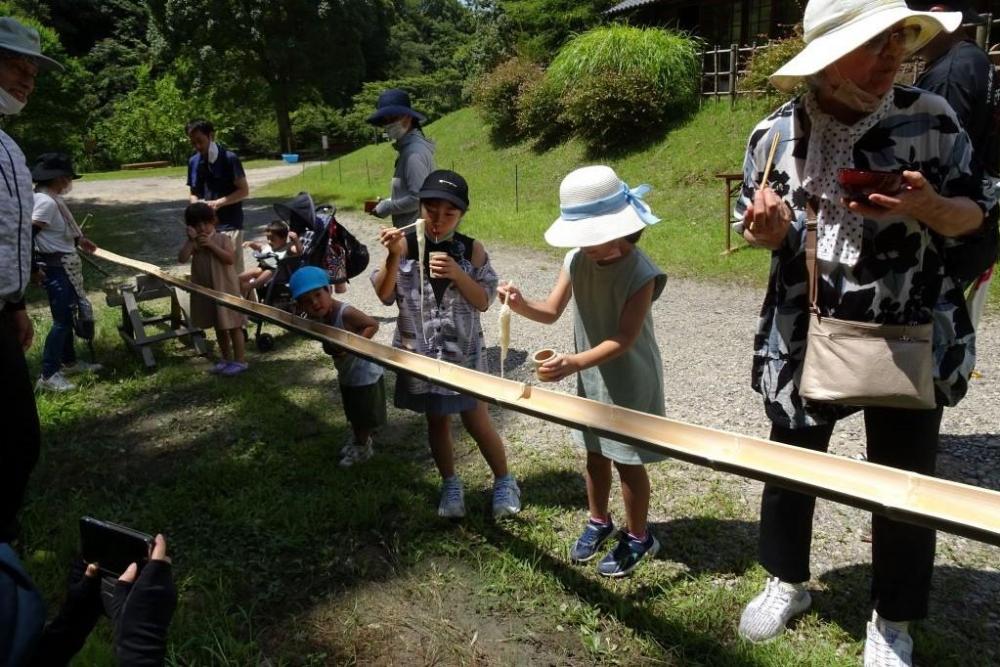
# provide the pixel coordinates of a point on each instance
(224, 254)
(384, 278)
(466, 285)
(547, 311)
(184, 256)
(629, 327)
(359, 323)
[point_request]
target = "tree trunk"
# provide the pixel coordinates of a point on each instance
(284, 126)
(279, 98)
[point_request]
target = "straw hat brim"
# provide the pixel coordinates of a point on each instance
(594, 230)
(837, 43)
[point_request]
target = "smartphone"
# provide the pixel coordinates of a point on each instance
(113, 547)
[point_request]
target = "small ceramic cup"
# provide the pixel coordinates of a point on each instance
(431, 256)
(539, 358)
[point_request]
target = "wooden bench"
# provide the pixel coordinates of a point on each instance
(146, 165)
(134, 322)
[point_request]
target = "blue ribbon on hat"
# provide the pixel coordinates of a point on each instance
(613, 204)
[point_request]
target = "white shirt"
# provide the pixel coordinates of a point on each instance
(55, 236)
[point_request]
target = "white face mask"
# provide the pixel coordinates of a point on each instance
(213, 152)
(395, 131)
(849, 93)
(9, 105)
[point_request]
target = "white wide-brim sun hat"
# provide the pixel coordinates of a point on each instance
(597, 207)
(834, 28)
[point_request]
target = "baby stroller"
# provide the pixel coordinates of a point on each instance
(325, 243)
(275, 293)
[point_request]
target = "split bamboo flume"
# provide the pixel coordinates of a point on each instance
(961, 509)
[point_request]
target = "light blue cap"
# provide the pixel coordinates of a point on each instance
(307, 279)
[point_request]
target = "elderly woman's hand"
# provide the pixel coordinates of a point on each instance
(948, 216)
(916, 199)
(766, 220)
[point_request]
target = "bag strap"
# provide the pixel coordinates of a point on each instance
(811, 269)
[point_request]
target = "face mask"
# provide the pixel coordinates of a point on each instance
(849, 94)
(9, 105)
(395, 131)
(213, 152)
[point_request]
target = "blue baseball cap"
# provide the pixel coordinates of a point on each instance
(307, 279)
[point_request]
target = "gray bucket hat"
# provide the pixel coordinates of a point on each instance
(19, 38)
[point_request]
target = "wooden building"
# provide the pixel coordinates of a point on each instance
(741, 22)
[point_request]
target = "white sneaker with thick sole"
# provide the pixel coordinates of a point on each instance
(352, 453)
(888, 644)
(81, 367)
(55, 382)
(452, 504)
(767, 614)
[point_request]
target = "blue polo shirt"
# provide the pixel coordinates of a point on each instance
(212, 181)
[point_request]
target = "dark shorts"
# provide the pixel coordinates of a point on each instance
(364, 406)
(428, 403)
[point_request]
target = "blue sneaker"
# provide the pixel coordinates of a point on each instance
(590, 541)
(627, 554)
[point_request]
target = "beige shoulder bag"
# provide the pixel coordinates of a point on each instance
(863, 363)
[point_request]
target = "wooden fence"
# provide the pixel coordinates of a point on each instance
(722, 67)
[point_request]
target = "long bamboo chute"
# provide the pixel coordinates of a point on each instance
(961, 509)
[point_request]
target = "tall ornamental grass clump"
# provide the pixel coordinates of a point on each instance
(618, 84)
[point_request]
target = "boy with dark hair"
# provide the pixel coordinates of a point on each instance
(362, 382)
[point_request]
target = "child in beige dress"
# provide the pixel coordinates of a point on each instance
(213, 265)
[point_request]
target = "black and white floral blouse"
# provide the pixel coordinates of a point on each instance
(900, 275)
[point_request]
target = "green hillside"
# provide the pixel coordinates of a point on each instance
(680, 167)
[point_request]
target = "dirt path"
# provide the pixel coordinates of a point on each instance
(166, 188)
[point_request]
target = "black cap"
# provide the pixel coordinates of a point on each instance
(447, 185)
(50, 166)
(967, 7)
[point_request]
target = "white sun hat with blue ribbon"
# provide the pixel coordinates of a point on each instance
(598, 207)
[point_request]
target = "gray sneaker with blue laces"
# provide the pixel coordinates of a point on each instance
(591, 540)
(506, 497)
(452, 505)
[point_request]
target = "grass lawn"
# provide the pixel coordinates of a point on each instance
(281, 553)
(283, 558)
(179, 171)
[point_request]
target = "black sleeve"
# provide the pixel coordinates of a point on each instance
(66, 634)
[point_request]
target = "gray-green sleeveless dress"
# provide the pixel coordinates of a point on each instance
(633, 380)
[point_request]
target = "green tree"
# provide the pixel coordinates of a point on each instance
(290, 49)
(53, 119)
(147, 124)
(542, 26)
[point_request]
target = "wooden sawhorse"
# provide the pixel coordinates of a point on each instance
(134, 323)
(733, 184)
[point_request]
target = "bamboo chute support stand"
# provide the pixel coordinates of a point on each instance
(961, 509)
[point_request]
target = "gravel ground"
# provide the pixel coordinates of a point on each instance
(705, 332)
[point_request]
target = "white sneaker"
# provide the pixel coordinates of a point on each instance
(888, 644)
(352, 453)
(55, 382)
(81, 367)
(767, 614)
(452, 505)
